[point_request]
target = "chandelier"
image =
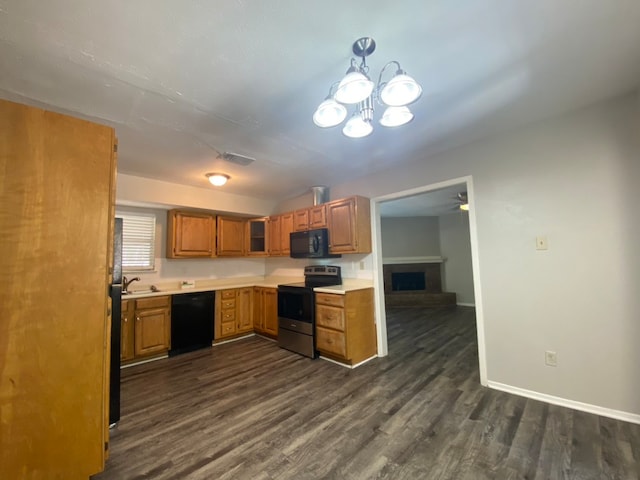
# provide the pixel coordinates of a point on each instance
(356, 88)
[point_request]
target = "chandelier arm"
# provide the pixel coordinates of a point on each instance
(384, 68)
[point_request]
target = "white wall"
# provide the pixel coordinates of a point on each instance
(410, 237)
(457, 274)
(574, 180)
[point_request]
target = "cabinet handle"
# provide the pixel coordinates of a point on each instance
(138, 318)
(126, 319)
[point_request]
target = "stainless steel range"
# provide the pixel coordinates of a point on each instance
(297, 312)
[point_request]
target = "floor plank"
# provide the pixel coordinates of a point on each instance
(250, 410)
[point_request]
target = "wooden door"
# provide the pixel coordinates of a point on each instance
(152, 331)
(190, 234)
(301, 220)
(258, 309)
(56, 201)
(230, 236)
(286, 227)
(342, 230)
(318, 216)
(257, 238)
(244, 309)
(270, 308)
(275, 239)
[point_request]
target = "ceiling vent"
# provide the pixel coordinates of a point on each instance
(237, 158)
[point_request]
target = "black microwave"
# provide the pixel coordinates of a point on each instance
(310, 244)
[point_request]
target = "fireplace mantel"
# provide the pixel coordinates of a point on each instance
(409, 260)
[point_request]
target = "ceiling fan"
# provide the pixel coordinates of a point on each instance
(463, 201)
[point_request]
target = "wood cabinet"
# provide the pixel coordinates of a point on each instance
(127, 331)
(230, 239)
(234, 312)
(345, 326)
(310, 218)
(152, 331)
(257, 237)
(349, 223)
(57, 202)
(280, 227)
(190, 234)
(265, 316)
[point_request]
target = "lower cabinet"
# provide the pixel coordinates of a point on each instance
(345, 326)
(265, 313)
(146, 328)
(234, 312)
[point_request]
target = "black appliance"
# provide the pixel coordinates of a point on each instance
(310, 244)
(191, 321)
(115, 292)
(297, 312)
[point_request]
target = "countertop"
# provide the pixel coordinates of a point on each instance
(173, 288)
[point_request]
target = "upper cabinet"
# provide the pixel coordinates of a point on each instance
(310, 218)
(231, 231)
(190, 234)
(349, 223)
(280, 226)
(257, 237)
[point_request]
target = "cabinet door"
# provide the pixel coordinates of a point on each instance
(258, 309)
(256, 243)
(230, 236)
(318, 216)
(152, 331)
(127, 350)
(190, 234)
(244, 309)
(275, 247)
(349, 223)
(301, 220)
(286, 227)
(270, 309)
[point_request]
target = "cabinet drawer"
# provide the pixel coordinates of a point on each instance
(331, 317)
(228, 328)
(228, 304)
(228, 294)
(152, 302)
(228, 315)
(330, 299)
(331, 341)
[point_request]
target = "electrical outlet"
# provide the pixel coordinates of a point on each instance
(551, 358)
(541, 243)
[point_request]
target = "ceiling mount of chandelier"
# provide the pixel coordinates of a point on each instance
(356, 88)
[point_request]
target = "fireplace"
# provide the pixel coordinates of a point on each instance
(415, 284)
(407, 281)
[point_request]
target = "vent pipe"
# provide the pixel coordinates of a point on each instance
(320, 194)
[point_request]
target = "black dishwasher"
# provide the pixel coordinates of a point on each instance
(191, 321)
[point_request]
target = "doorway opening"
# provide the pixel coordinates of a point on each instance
(424, 198)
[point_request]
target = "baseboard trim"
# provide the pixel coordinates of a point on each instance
(346, 365)
(563, 402)
(463, 304)
(234, 339)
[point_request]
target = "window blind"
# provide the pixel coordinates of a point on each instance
(138, 240)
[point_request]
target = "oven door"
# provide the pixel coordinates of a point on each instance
(296, 303)
(296, 313)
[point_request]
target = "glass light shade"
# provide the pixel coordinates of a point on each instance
(329, 113)
(217, 179)
(465, 207)
(356, 127)
(396, 116)
(353, 88)
(401, 90)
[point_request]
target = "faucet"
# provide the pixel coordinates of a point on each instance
(126, 283)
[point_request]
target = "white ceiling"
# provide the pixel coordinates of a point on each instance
(184, 80)
(433, 203)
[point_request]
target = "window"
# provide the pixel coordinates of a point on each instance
(138, 240)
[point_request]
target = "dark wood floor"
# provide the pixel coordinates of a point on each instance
(250, 410)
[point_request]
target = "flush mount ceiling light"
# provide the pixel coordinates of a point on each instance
(356, 88)
(217, 179)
